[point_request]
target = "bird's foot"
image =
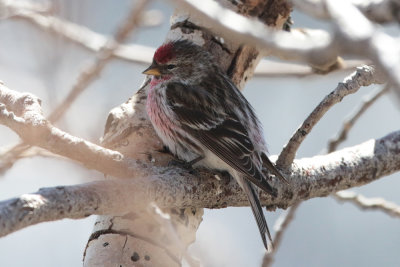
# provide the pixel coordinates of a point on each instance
(224, 177)
(188, 165)
(178, 163)
(164, 150)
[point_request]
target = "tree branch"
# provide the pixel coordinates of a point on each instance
(280, 227)
(140, 54)
(349, 123)
(173, 187)
(89, 74)
(379, 11)
(363, 76)
(269, 258)
(22, 113)
(102, 58)
(82, 35)
(360, 201)
(355, 34)
(316, 47)
(348, 196)
(9, 154)
(364, 203)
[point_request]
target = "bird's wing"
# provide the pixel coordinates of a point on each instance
(217, 129)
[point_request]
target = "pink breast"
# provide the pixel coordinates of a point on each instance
(156, 111)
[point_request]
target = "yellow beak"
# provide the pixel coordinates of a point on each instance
(152, 70)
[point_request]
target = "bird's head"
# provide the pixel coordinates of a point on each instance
(181, 59)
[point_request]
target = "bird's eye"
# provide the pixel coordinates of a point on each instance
(170, 67)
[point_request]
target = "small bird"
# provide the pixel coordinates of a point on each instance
(203, 118)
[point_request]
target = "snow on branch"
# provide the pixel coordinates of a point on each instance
(174, 187)
(363, 76)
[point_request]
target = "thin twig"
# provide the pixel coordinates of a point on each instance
(364, 203)
(88, 75)
(85, 37)
(359, 200)
(140, 54)
(363, 76)
(9, 156)
(280, 227)
(349, 123)
(102, 58)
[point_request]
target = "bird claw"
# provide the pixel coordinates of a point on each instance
(178, 163)
(225, 177)
(181, 163)
(188, 165)
(164, 149)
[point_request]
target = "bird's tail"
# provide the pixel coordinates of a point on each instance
(255, 204)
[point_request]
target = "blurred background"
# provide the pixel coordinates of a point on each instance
(324, 232)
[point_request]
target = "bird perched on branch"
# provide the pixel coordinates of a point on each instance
(203, 118)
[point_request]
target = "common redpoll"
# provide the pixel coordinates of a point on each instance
(203, 119)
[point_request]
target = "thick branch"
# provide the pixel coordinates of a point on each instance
(171, 187)
(89, 74)
(140, 54)
(315, 47)
(355, 34)
(22, 113)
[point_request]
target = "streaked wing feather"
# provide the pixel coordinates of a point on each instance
(237, 154)
(218, 130)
